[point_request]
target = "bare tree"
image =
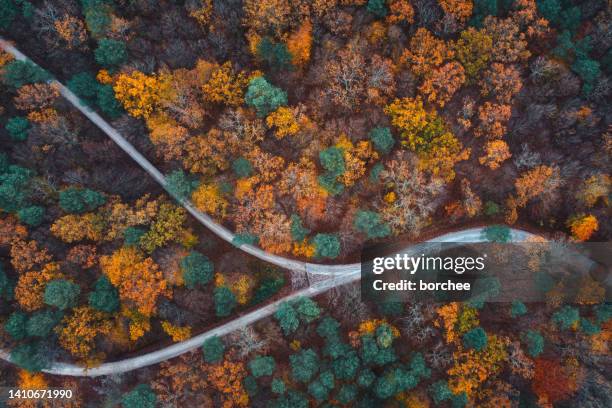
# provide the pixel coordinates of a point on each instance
(247, 341)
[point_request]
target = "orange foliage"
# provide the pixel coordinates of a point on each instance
(400, 11)
(11, 230)
(440, 86)
(502, 81)
(285, 122)
(31, 381)
(71, 30)
(137, 278)
(531, 184)
(583, 226)
(26, 255)
(208, 198)
(225, 86)
(425, 52)
(74, 227)
(552, 382)
(493, 119)
(461, 10)
(202, 12)
(30, 288)
(83, 255)
(167, 135)
(77, 332)
(36, 96)
(140, 94)
(177, 333)
(497, 152)
(299, 44)
(227, 379)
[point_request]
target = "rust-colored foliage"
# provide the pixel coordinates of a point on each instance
(78, 331)
(26, 255)
(36, 96)
(552, 382)
(227, 378)
(440, 86)
(299, 44)
(425, 52)
(31, 285)
(83, 255)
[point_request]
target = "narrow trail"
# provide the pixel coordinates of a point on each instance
(337, 275)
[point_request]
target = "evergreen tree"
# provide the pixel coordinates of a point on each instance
(105, 297)
(264, 97)
(62, 294)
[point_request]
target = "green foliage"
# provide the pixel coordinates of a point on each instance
(41, 324)
(97, 20)
(8, 12)
(372, 354)
(278, 386)
(440, 392)
(6, 285)
(481, 9)
(307, 309)
(298, 231)
(459, 400)
(390, 308)
(213, 349)
(518, 309)
(262, 365)
(14, 188)
(242, 167)
(318, 390)
(329, 329)
(267, 288)
(293, 399)
(346, 366)
(20, 73)
(543, 281)
(225, 301)
(85, 86)
(264, 97)
(62, 294)
(603, 313)
(475, 339)
(491, 209)
(15, 325)
(384, 336)
(245, 238)
(589, 72)
(197, 269)
(535, 343)
(483, 289)
(549, 9)
(382, 139)
(570, 19)
(107, 102)
(132, 235)
(287, 318)
(566, 317)
(142, 396)
(377, 7)
(385, 386)
(366, 378)
(335, 348)
(32, 216)
(17, 128)
(105, 297)
(275, 55)
(347, 393)
(588, 327)
(369, 223)
(332, 160)
(250, 386)
(330, 184)
(326, 246)
(304, 365)
(497, 233)
(80, 200)
(181, 185)
(30, 356)
(375, 172)
(111, 53)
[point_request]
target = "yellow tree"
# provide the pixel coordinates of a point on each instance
(140, 94)
(497, 152)
(583, 226)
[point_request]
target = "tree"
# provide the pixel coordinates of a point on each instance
(497, 152)
(326, 245)
(287, 318)
(377, 7)
(111, 53)
(242, 167)
(304, 365)
(275, 55)
(262, 366)
(78, 201)
(139, 94)
(582, 226)
(15, 188)
(19, 73)
(553, 382)
(85, 86)
(370, 224)
(30, 356)
(517, 309)
(138, 279)
(475, 339)
(197, 269)
(78, 331)
(535, 342)
(209, 198)
(473, 51)
(502, 81)
(41, 324)
(15, 325)
(442, 83)
(8, 12)
(181, 185)
(32, 216)
(299, 44)
(105, 297)
(225, 301)
(30, 288)
(278, 386)
(213, 349)
(264, 97)
(142, 396)
(566, 317)
(62, 294)
(225, 85)
(400, 11)
(107, 101)
(493, 118)
(17, 128)
(425, 53)
(285, 122)
(382, 139)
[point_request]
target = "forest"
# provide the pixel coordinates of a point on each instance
(310, 129)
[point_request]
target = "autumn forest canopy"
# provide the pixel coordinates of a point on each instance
(311, 129)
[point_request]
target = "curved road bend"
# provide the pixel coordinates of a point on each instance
(352, 273)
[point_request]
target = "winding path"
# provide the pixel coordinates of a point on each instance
(337, 275)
